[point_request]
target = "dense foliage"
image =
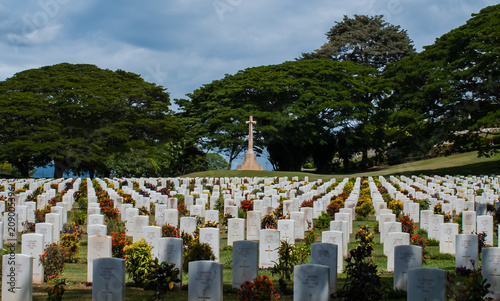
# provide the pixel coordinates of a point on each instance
(90, 120)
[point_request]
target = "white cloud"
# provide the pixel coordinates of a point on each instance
(187, 43)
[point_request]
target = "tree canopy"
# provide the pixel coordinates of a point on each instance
(76, 116)
(449, 91)
(301, 109)
(366, 40)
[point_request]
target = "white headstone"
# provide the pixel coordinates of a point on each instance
(245, 261)
(152, 234)
(17, 272)
(99, 246)
(336, 238)
(235, 230)
(426, 284)
(466, 251)
(268, 248)
(33, 245)
(447, 234)
(311, 282)
(109, 279)
(211, 236)
(326, 254)
(205, 281)
(406, 257)
(392, 240)
(170, 251)
(253, 225)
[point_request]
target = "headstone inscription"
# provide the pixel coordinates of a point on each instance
(99, 246)
(426, 284)
(466, 251)
(406, 257)
(311, 282)
(109, 279)
(245, 261)
(326, 254)
(205, 281)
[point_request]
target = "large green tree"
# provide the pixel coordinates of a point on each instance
(366, 40)
(448, 92)
(300, 108)
(369, 41)
(77, 115)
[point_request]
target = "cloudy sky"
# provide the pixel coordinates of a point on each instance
(183, 44)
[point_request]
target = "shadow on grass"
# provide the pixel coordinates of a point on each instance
(482, 168)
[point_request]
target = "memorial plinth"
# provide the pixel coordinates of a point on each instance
(250, 163)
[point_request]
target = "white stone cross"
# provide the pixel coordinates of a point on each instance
(250, 123)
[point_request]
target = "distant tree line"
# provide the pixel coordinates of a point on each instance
(365, 89)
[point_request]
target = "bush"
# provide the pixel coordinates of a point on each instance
(79, 217)
(323, 221)
(119, 242)
(362, 279)
(196, 251)
(53, 261)
(161, 278)
(364, 208)
(138, 261)
(284, 267)
(260, 289)
(82, 203)
(116, 226)
(70, 242)
(169, 231)
(396, 206)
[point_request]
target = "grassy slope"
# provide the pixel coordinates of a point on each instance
(460, 164)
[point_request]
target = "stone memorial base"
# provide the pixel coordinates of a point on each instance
(250, 163)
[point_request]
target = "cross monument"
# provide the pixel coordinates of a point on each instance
(250, 161)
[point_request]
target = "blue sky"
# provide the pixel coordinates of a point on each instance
(183, 44)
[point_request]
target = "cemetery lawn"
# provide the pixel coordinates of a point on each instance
(76, 273)
(458, 164)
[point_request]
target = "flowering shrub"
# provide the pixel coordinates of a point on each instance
(438, 209)
(108, 208)
(246, 205)
(363, 281)
(308, 203)
(144, 211)
(260, 289)
(70, 242)
(364, 207)
(161, 278)
(333, 208)
(181, 206)
(196, 251)
(119, 242)
(127, 199)
(53, 261)
(466, 285)
(407, 225)
(169, 231)
(40, 214)
(57, 291)
(269, 222)
(396, 206)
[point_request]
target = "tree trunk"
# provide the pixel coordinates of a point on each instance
(59, 169)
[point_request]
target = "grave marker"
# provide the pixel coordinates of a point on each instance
(109, 279)
(245, 261)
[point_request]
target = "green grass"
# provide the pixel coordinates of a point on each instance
(256, 173)
(459, 164)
